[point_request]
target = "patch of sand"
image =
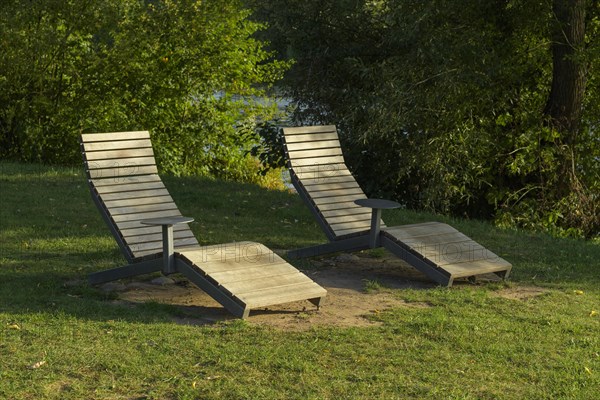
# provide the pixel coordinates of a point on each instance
(520, 292)
(357, 287)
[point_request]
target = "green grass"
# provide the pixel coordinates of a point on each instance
(467, 343)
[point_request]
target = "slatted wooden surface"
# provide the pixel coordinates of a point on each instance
(315, 157)
(122, 169)
(446, 248)
(123, 175)
(252, 274)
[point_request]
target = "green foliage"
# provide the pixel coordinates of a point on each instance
(270, 148)
(441, 104)
(188, 71)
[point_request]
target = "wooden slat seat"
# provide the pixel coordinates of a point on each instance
(446, 248)
(330, 186)
(124, 178)
(125, 185)
(319, 174)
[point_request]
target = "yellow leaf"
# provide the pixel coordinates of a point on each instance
(589, 371)
(36, 365)
(578, 291)
(194, 384)
(593, 313)
(14, 326)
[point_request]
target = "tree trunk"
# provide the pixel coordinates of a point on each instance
(569, 73)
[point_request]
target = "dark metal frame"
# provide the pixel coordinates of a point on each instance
(167, 262)
(353, 242)
(153, 263)
(363, 240)
(137, 266)
(359, 242)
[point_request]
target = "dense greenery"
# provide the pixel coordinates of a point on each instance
(484, 109)
(460, 107)
(189, 71)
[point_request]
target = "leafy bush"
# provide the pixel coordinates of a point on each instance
(189, 71)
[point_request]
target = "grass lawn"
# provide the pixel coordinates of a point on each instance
(60, 338)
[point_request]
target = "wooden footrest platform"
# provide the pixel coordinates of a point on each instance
(448, 250)
(251, 275)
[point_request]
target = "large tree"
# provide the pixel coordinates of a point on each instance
(565, 105)
(470, 107)
(570, 69)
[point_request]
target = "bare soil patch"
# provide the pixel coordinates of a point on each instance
(520, 292)
(358, 286)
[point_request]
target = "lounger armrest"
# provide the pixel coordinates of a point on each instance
(167, 236)
(167, 221)
(376, 205)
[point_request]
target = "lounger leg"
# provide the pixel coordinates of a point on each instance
(317, 301)
(245, 313)
(141, 268)
(503, 274)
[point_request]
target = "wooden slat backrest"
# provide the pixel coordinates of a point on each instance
(316, 164)
(125, 185)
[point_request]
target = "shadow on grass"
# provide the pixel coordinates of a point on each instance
(52, 234)
(25, 292)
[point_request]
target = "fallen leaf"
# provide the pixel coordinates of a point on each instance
(593, 313)
(14, 326)
(36, 365)
(578, 291)
(589, 371)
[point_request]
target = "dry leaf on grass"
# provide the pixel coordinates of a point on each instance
(36, 365)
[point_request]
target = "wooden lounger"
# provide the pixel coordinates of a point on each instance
(154, 236)
(319, 174)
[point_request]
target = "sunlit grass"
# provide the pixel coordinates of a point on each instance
(62, 339)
